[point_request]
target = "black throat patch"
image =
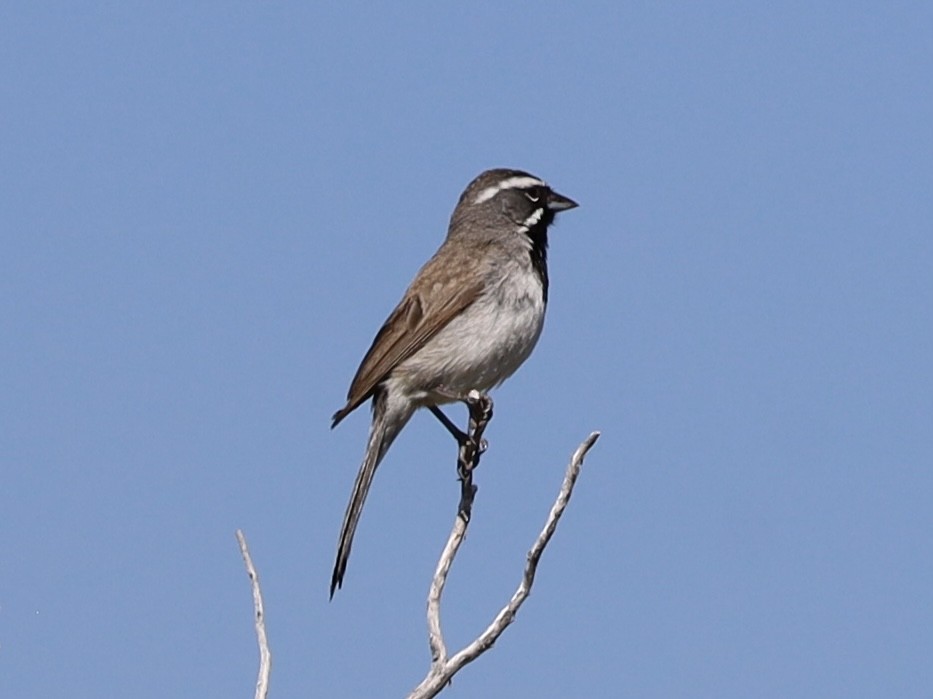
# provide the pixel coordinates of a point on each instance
(538, 236)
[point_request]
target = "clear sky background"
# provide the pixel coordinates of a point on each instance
(208, 209)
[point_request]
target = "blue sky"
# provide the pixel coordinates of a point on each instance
(206, 212)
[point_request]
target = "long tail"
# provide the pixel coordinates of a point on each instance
(387, 423)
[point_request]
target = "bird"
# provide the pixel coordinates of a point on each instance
(471, 316)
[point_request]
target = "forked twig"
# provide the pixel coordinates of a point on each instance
(443, 668)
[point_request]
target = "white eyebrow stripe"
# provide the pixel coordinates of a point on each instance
(517, 182)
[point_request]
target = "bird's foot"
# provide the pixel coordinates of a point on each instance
(472, 444)
(468, 456)
(480, 406)
(472, 448)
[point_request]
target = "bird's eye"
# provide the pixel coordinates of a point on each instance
(533, 194)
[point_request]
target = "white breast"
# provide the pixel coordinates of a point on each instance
(485, 344)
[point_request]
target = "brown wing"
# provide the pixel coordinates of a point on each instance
(418, 318)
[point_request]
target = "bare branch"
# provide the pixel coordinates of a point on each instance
(435, 636)
(265, 656)
(443, 668)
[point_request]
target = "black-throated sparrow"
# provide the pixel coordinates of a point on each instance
(470, 318)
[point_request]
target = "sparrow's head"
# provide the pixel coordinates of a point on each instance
(511, 198)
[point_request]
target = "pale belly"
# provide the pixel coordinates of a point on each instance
(480, 348)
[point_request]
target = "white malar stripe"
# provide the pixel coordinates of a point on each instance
(518, 182)
(533, 219)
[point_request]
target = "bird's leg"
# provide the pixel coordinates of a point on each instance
(455, 431)
(470, 449)
(471, 443)
(464, 439)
